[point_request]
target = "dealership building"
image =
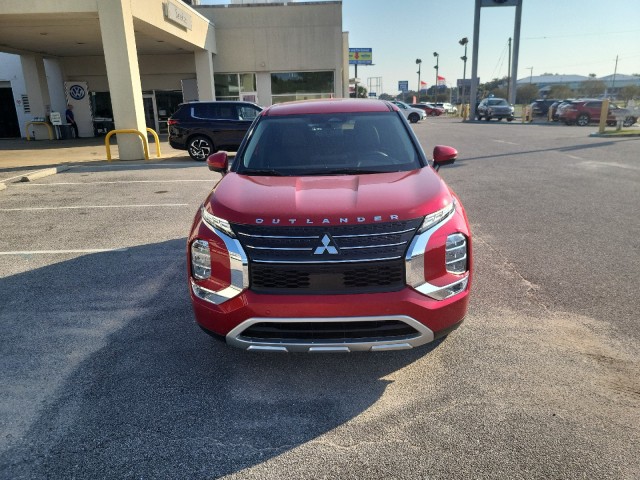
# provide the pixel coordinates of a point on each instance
(127, 64)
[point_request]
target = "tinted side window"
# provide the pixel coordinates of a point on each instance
(594, 105)
(202, 110)
(247, 112)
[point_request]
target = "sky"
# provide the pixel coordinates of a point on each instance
(568, 37)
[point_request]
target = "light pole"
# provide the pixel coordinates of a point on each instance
(435, 85)
(419, 63)
(464, 41)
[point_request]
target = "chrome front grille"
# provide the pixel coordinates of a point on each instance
(355, 243)
(327, 260)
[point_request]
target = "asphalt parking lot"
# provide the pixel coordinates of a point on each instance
(104, 373)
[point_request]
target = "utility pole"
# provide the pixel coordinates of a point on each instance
(464, 41)
(509, 75)
(530, 74)
(435, 85)
(516, 50)
(419, 62)
(615, 72)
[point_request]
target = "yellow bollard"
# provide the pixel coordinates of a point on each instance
(155, 136)
(604, 113)
(145, 144)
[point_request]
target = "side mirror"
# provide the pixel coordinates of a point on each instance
(218, 162)
(443, 155)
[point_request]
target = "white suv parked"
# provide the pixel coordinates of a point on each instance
(448, 107)
(410, 113)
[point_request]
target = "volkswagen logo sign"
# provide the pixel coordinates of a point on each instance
(77, 92)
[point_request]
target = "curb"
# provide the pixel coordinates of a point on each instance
(34, 175)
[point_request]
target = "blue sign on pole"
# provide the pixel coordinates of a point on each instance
(403, 86)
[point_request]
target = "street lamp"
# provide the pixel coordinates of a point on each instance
(464, 41)
(435, 85)
(419, 63)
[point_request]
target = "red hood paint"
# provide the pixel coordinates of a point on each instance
(325, 200)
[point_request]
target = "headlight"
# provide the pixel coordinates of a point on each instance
(456, 253)
(200, 260)
(436, 217)
(216, 222)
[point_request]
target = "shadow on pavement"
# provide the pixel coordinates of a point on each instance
(105, 375)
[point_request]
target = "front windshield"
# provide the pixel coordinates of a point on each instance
(497, 102)
(328, 144)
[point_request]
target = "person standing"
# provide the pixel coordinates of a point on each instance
(71, 120)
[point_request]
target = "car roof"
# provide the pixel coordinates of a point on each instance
(336, 105)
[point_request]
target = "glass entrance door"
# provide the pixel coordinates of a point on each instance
(150, 111)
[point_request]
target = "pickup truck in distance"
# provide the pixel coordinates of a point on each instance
(330, 231)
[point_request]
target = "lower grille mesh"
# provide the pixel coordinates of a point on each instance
(305, 331)
(327, 279)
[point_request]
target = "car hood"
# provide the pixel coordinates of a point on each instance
(328, 200)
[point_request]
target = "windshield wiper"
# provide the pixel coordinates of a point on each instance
(256, 171)
(345, 171)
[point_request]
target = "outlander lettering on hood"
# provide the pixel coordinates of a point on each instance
(326, 221)
(330, 232)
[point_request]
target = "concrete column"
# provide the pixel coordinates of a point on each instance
(263, 86)
(474, 64)
(35, 79)
(123, 74)
(204, 75)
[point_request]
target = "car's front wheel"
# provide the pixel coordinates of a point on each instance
(629, 121)
(582, 120)
(199, 148)
(414, 117)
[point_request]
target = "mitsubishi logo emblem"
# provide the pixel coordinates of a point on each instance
(327, 246)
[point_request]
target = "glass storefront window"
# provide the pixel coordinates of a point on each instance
(229, 86)
(290, 86)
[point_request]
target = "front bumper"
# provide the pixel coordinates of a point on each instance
(418, 312)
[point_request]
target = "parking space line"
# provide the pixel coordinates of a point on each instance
(80, 207)
(504, 141)
(53, 252)
(105, 183)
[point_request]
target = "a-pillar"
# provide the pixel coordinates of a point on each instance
(35, 79)
(123, 74)
(204, 75)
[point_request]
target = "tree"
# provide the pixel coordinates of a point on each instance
(386, 96)
(526, 93)
(629, 92)
(592, 87)
(560, 92)
(362, 92)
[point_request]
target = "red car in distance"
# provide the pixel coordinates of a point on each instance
(583, 112)
(429, 108)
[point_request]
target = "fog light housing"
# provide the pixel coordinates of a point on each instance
(456, 253)
(200, 260)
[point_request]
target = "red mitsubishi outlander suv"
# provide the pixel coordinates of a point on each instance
(330, 231)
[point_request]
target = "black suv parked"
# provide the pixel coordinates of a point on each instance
(541, 106)
(203, 128)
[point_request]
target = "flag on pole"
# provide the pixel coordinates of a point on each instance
(423, 84)
(441, 80)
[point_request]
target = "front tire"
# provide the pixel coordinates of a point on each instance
(582, 120)
(413, 118)
(199, 148)
(629, 121)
